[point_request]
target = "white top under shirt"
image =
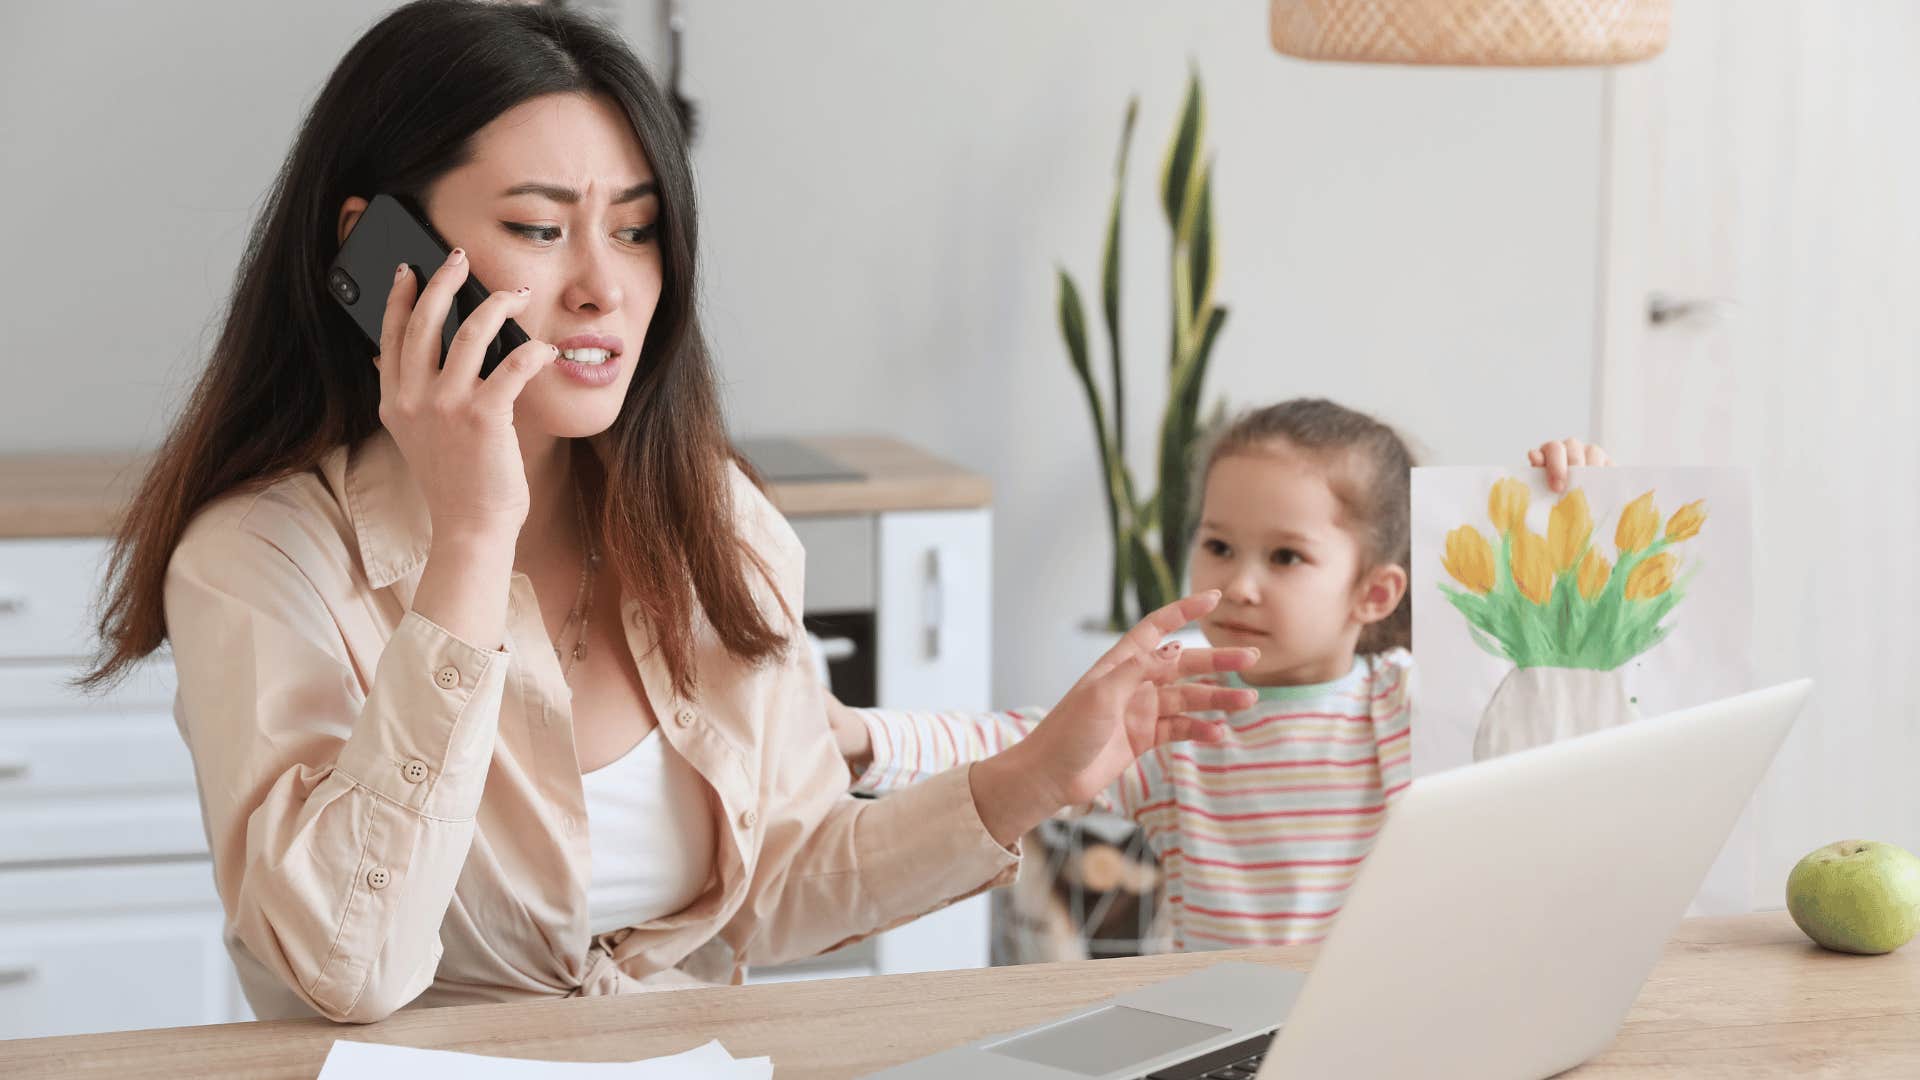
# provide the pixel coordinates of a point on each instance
(649, 861)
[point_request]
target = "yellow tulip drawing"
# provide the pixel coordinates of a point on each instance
(1638, 522)
(1532, 567)
(1556, 600)
(1469, 559)
(1507, 506)
(1594, 572)
(1686, 521)
(1568, 527)
(1651, 578)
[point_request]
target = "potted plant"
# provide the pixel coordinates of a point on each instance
(1150, 531)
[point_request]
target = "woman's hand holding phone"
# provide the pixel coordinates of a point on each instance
(456, 432)
(454, 428)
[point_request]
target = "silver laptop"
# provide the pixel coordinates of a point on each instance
(1501, 926)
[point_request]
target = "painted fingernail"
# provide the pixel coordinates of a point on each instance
(400, 271)
(456, 256)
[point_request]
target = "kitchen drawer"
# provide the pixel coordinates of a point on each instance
(37, 688)
(83, 754)
(47, 588)
(59, 829)
(130, 948)
(840, 561)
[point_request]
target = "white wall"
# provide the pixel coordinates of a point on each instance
(887, 189)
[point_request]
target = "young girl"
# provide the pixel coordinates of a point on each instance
(1304, 531)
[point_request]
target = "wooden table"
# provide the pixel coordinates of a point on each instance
(1733, 997)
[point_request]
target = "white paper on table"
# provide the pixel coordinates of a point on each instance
(378, 1061)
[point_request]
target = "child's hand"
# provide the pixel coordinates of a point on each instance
(850, 735)
(1563, 454)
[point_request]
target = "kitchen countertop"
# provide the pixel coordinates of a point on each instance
(83, 494)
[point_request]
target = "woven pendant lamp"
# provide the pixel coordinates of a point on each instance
(1491, 33)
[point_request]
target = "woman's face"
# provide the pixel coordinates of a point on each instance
(559, 197)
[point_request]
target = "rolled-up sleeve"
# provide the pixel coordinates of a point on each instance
(339, 803)
(832, 868)
(867, 865)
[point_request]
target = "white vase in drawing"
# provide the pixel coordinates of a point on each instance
(1538, 705)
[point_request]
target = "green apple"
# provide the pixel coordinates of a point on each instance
(1857, 896)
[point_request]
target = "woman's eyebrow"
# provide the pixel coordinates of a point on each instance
(561, 194)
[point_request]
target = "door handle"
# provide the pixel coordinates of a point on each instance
(932, 601)
(1664, 309)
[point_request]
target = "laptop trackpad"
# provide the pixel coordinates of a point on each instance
(1100, 1042)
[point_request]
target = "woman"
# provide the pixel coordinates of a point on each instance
(429, 628)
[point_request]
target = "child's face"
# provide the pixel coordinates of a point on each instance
(1270, 539)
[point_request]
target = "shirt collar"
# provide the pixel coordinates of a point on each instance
(386, 507)
(1353, 678)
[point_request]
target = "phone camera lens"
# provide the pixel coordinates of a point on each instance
(343, 285)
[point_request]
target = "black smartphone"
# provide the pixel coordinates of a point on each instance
(387, 234)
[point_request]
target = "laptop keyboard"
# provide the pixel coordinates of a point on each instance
(1237, 1062)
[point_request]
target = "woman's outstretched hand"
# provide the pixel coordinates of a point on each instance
(1128, 703)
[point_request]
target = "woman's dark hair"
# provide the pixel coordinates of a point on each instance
(1370, 470)
(288, 378)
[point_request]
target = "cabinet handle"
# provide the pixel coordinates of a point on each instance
(931, 603)
(19, 973)
(835, 649)
(13, 605)
(14, 768)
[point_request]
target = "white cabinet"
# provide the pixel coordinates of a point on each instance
(934, 605)
(926, 577)
(108, 915)
(112, 947)
(935, 613)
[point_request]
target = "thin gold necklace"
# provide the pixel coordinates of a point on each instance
(583, 600)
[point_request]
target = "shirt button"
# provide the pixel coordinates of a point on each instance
(684, 718)
(448, 677)
(414, 771)
(378, 877)
(749, 818)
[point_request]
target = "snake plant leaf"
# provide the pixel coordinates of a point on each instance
(1073, 328)
(1180, 432)
(1153, 583)
(1177, 168)
(1199, 244)
(1110, 279)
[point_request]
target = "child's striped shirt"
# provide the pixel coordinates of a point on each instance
(1259, 836)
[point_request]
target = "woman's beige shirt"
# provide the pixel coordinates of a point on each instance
(396, 815)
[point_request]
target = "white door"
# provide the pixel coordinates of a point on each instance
(1761, 306)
